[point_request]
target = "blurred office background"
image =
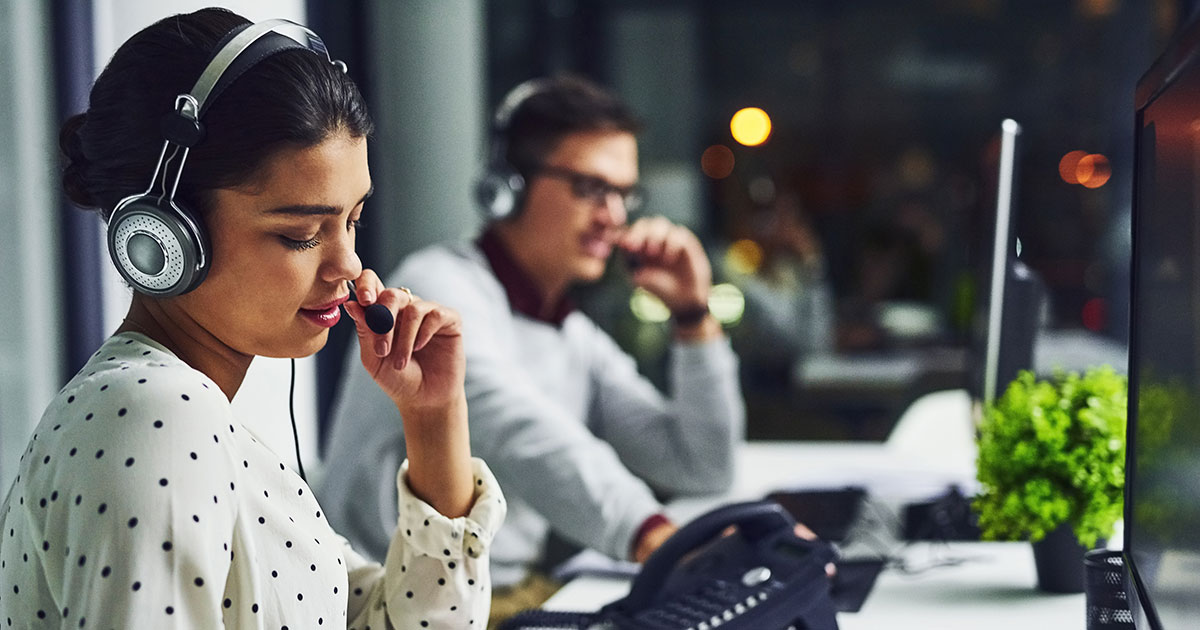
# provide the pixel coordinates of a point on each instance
(882, 118)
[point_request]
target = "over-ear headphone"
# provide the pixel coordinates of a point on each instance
(499, 192)
(157, 243)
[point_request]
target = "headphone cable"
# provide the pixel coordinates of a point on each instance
(292, 412)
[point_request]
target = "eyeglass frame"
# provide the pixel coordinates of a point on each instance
(595, 188)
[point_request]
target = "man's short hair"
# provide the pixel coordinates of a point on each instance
(561, 106)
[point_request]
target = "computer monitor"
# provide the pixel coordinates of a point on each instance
(1162, 490)
(1008, 295)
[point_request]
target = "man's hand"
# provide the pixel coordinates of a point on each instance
(669, 262)
(653, 539)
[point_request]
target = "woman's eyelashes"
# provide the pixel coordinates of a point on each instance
(300, 245)
(309, 243)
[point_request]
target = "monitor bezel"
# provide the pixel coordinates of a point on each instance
(1140, 601)
(1181, 54)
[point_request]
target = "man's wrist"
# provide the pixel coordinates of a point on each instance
(651, 534)
(695, 323)
(689, 315)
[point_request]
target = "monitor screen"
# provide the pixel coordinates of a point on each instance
(1005, 304)
(1162, 507)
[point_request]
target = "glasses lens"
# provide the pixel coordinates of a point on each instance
(593, 188)
(634, 198)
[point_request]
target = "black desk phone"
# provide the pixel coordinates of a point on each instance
(760, 577)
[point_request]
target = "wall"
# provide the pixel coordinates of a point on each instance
(428, 103)
(29, 350)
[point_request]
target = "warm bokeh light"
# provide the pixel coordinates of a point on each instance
(1093, 170)
(750, 126)
(717, 161)
(1097, 8)
(647, 308)
(726, 303)
(1068, 164)
(744, 256)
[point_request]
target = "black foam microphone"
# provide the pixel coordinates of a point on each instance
(379, 318)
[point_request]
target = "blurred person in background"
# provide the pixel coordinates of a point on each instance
(780, 270)
(582, 443)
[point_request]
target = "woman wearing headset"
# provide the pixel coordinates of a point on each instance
(141, 501)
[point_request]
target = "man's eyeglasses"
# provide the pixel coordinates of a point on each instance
(595, 189)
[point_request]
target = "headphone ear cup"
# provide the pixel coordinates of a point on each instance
(158, 246)
(500, 193)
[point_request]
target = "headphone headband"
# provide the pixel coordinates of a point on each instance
(225, 57)
(500, 191)
(513, 101)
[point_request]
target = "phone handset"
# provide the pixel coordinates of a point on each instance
(762, 575)
(753, 520)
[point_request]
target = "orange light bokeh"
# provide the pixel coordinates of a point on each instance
(1068, 166)
(1093, 170)
(744, 256)
(717, 161)
(750, 126)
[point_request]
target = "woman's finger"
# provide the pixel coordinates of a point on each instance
(355, 311)
(367, 287)
(395, 301)
(440, 320)
(405, 334)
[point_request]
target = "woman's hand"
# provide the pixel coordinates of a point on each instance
(420, 363)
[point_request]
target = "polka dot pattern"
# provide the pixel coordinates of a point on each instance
(147, 504)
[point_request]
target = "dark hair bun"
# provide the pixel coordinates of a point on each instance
(74, 176)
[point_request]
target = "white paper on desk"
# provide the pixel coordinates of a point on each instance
(593, 563)
(887, 478)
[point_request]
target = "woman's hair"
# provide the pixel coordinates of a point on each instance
(292, 98)
(559, 107)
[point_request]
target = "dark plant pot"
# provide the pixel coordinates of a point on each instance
(1059, 561)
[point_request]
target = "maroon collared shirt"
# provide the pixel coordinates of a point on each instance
(523, 295)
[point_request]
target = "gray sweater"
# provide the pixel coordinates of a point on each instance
(575, 436)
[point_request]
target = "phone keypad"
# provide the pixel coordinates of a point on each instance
(709, 608)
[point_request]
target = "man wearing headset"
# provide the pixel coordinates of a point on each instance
(580, 442)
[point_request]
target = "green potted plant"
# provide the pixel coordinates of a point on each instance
(1051, 466)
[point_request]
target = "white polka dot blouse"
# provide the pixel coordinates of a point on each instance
(142, 502)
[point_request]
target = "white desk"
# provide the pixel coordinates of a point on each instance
(993, 588)
(932, 447)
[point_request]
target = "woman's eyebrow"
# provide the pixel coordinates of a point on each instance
(316, 209)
